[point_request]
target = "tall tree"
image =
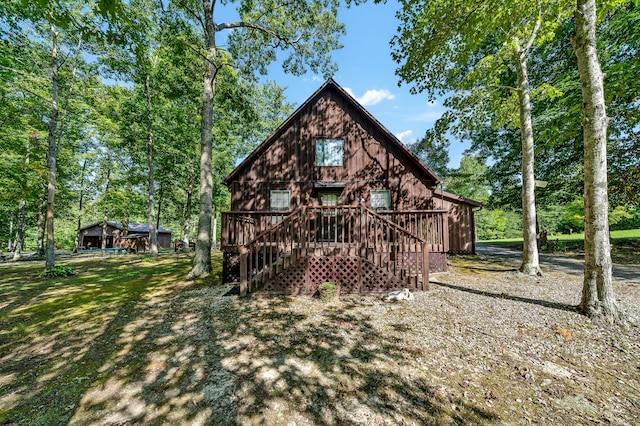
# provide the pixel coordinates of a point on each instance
(307, 29)
(597, 295)
(433, 150)
(468, 50)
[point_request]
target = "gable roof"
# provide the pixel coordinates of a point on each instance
(407, 156)
(456, 198)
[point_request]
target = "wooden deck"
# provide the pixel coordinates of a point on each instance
(362, 250)
(240, 227)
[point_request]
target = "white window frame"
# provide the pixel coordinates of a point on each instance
(279, 192)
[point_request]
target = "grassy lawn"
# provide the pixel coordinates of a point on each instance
(128, 341)
(61, 336)
(625, 245)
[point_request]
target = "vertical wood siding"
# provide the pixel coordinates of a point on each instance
(289, 163)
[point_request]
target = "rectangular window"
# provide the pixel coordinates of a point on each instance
(381, 199)
(280, 200)
(328, 199)
(329, 152)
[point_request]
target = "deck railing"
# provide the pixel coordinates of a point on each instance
(240, 227)
(430, 225)
(334, 231)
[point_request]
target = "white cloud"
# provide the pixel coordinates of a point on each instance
(433, 103)
(349, 91)
(427, 117)
(406, 136)
(314, 78)
(371, 97)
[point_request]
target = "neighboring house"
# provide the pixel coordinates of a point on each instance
(331, 195)
(90, 236)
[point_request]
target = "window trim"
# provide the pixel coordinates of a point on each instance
(279, 191)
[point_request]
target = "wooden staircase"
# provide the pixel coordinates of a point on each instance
(351, 245)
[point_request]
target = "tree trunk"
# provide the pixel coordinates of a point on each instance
(202, 258)
(10, 243)
(597, 294)
(215, 229)
(51, 152)
(105, 218)
(187, 211)
(41, 225)
(160, 198)
(530, 262)
(76, 245)
(18, 246)
(153, 235)
(127, 219)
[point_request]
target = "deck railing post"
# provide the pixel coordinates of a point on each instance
(360, 244)
(445, 232)
(243, 271)
(425, 266)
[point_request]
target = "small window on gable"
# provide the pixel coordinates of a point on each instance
(280, 200)
(381, 199)
(329, 152)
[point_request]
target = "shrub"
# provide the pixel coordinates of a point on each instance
(59, 271)
(328, 291)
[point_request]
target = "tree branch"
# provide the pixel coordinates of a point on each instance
(499, 86)
(532, 38)
(258, 27)
(193, 13)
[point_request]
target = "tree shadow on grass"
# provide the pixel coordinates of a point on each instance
(134, 349)
(332, 367)
(60, 341)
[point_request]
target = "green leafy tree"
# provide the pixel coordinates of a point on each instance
(433, 150)
(597, 295)
(482, 50)
(307, 29)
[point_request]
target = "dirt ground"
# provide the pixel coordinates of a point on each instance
(486, 345)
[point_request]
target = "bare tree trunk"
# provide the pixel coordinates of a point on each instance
(530, 262)
(597, 294)
(153, 235)
(202, 259)
(52, 151)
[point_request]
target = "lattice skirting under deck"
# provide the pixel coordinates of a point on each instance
(231, 268)
(341, 270)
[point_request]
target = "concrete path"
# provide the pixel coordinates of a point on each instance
(568, 263)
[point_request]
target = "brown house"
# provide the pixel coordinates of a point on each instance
(137, 237)
(331, 195)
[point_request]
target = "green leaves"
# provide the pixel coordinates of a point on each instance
(306, 30)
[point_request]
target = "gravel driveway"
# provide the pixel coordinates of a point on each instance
(567, 263)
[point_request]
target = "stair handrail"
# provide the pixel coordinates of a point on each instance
(282, 223)
(394, 225)
(249, 248)
(422, 266)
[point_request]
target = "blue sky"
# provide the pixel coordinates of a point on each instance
(367, 71)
